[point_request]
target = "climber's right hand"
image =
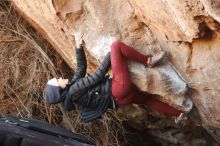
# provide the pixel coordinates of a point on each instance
(78, 39)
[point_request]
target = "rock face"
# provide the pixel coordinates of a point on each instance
(188, 30)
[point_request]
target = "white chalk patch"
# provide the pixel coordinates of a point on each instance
(102, 47)
(177, 85)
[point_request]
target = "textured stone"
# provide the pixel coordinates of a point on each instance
(188, 30)
(178, 16)
(212, 8)
(42, 16)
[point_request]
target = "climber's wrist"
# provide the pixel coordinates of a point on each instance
(79, 46)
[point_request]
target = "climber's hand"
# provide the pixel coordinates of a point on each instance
(78, 39)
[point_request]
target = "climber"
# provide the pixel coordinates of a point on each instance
(97, 92)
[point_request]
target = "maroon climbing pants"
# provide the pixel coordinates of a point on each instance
(122, 90)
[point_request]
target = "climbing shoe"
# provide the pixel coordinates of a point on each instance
(155, 59)
(192, 117)
(180, 119)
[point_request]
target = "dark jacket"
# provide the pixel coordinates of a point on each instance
(91, 92)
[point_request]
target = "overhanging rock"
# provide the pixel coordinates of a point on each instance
(188, 30)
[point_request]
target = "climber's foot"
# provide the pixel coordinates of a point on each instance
(194, 117)
(154, 60)
(180, 119)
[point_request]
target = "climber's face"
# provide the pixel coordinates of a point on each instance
(62, 82)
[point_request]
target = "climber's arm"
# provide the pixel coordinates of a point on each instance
(81, 64)
(80, 57)
(91, 80)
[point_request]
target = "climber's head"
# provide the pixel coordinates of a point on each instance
(62, 82)
(52, 91)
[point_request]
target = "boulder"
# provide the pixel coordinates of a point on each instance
(188, 30)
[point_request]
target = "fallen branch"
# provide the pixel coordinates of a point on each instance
(9, 41)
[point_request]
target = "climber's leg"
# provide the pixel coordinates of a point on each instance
(141, 98)
(122, 90)
(120, 52)
(128, 52)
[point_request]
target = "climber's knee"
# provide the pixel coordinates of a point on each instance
(115, 45)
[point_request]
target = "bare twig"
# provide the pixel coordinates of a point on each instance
(9, 41)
